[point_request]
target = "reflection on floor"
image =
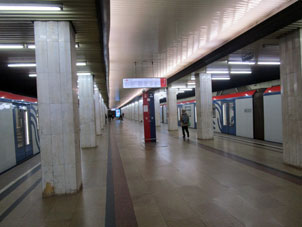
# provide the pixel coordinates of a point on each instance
(220, 182)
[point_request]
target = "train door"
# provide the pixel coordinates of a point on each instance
(228, 117)
(23, 140)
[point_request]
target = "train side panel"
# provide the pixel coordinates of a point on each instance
(273, 118)
(7, 138)
(33, 120)
(244, 117)
(217, 116)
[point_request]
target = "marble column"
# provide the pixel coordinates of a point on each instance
(157, 109)
(291, 93)
(203, 95)
(97, 108)
(172, 109)
(87, 112)
(58, 107)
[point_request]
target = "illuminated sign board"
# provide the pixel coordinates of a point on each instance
(117, 113)
(144, 82)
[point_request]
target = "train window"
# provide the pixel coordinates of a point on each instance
(231, 114)
(224, 114)
(19, 127)
(214, 112)
(178, 113)
(27, 142)
(195, 115)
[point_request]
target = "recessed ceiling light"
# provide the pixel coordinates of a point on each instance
(29, 7)
(11, 46)
(32, 75)
(22, 65)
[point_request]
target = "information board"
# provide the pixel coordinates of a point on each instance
(144, 82)
(149, 117)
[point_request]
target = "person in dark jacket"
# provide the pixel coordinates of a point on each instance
(184, 121)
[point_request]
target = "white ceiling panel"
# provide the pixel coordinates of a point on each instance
(174, 33)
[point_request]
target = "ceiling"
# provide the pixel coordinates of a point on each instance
(17, 27)
(265, 49)
(158, 38)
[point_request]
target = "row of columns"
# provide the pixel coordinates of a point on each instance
(203, 93)
(69, 118)
(291, 93)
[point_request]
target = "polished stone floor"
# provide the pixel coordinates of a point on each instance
(223, 182)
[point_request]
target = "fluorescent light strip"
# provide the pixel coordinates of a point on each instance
(18, 65)
(241, 63)
(217, 72)
(11, 46)
(81, 63)
(32, 46)
(268, 63)
(221, 78)
(241, 72)
(34, 64)
(178, 87)
(84, 74)
(29, 8)
(32, 75)
(185, 89)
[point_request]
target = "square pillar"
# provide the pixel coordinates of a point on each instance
(203, 94)
(291, 94)
(87, 112)
(172, 109)
(58, 107)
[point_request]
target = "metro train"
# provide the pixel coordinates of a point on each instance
(255, 114)
(19, 129)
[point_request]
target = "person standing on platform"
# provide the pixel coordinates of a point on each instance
(184, 121)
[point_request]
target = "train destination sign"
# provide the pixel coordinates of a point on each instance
(144, 82)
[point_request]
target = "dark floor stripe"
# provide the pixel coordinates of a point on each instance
(18, 182)
(110, 212)
(124, 211)
(19, 200)
(276, 172)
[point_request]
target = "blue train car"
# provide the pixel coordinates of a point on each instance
(19, 129)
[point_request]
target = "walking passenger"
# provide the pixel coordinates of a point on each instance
(184, 121)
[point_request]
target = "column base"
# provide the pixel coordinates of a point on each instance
(49, 191)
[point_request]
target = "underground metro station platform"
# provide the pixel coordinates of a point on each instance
(223, 182)
(151, 113)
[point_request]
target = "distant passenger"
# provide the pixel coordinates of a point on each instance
(184, 121)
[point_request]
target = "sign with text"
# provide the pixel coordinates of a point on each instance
(144, 82)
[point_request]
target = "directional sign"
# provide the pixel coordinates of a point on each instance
(144, 82)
